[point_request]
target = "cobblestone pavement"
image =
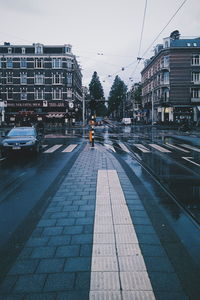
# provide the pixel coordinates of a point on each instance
(56, 260)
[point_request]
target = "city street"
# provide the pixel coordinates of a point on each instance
(163, 166)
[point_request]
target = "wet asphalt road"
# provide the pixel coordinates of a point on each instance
(172, 178)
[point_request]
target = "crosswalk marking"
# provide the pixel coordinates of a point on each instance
(189, 159)
(52, 149)
(124, 148)
(110, 147)
(159, 148)
(190, 147)
(44, 146)
(142, 148)
(176, 147)
(70, 148)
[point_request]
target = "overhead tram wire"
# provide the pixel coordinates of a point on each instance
(149, 47)
(164, 27)
(141, 36)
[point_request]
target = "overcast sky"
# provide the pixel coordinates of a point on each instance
(108, 27)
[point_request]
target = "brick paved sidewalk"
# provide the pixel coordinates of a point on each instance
(56, 260)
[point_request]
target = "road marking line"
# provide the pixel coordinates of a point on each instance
(110, 147)
(190, 147)
(159, 148)
(44, 146)
(117, 263)
(52, 149)
(189, 159)
(142, 148)
(124, 148)
(2, 158)
(176, 147)
(70, 148)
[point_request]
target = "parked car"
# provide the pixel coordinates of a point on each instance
(126, 121)
(20, 139)
(99, 121)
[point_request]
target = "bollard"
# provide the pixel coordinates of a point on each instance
(92, 136)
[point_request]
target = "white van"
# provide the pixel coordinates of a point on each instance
(126, 121)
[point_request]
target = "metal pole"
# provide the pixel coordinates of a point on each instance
(152, 117)
(83, 109)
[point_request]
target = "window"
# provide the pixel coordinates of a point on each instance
(166, 77)
(23, 50)
(195, 93)
(23, 96)
(56, 63)
(69, 79)
(9, 50)
(9, 78)
(68, 49)
(57, 79)
(196, 77)
(39, 94)
(9, 94)
(166, 61)
(23, 63)
(194, 44)
(196, 60)
(39, 79)
(57, 94)
(9, 63)
(188, 44)
(23, 78)
(69, 64)
(39, 63)
(38, 49)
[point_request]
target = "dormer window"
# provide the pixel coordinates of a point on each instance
(194, 44)
(38, 49)
(188, 44)
(68, 48)
(23, 50)
(9, 50)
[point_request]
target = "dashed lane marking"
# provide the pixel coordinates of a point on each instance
(124, 148)
(142, 148)
(176, 147)
(189, 159)
(190, 147)
(159, 148)
(52, 149)
(118, 269)
(70, 148)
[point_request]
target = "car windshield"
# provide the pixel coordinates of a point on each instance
(21, 132)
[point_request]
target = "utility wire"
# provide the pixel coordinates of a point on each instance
(144, 16)
(164, 27)
(140, 58)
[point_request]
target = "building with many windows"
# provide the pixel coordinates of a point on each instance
(171, 81)
(42, 83)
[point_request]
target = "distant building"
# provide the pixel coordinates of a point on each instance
(171, 81)
(39, 83)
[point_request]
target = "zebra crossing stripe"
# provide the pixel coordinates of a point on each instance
(190, 147)
(159, 148)
(70, 148)
(110, 147)
(176, 147)
(141, 148)
(52, 149)
(124, 148)
(118, 269)
(189, 159)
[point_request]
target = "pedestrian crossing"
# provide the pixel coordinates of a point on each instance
(136, 148)
(54, 148)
